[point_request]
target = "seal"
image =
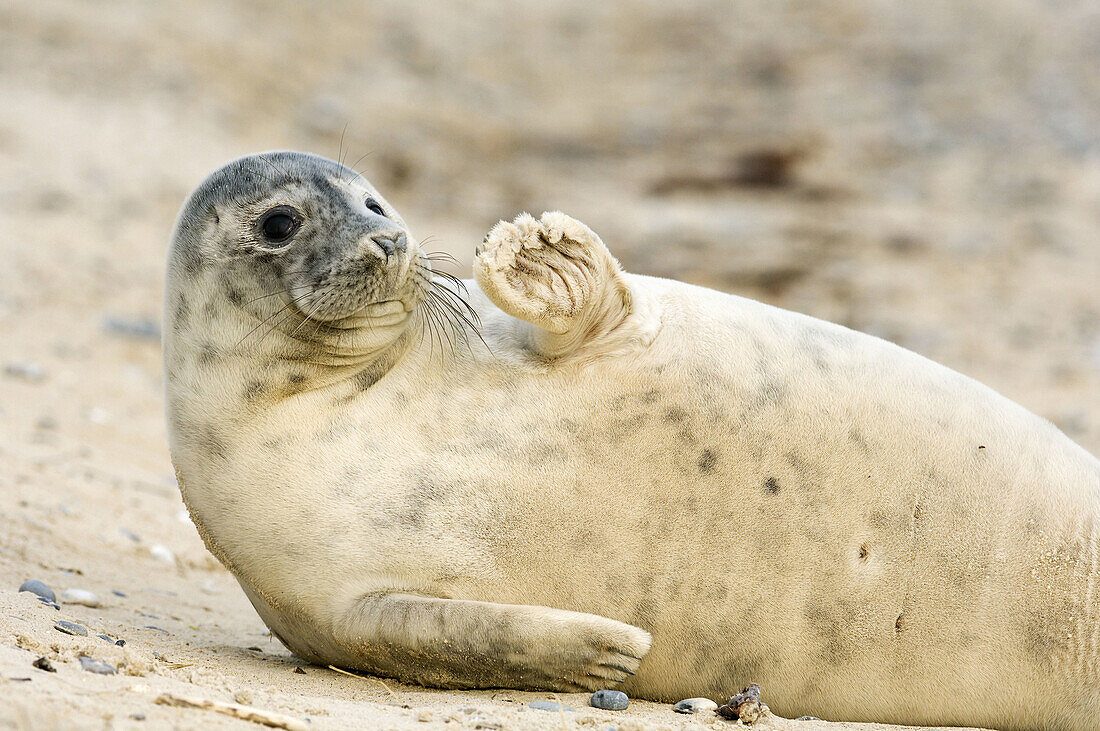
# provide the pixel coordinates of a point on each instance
(562, 476)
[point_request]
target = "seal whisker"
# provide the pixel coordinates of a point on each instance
(274, 166)
(458, 283)
(458, 314)
(284, 309)
(273, 294)
(458, 299)
(450, 315)
(265, 321)
(340, 152)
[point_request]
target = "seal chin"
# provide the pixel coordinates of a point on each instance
(376, 315)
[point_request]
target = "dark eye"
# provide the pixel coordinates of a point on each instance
(279, 225)
(372, 205)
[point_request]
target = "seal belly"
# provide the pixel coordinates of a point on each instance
(817, 521)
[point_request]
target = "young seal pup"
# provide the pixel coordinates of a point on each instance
(621, 479)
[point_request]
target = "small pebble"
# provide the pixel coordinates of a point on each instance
(71, 628)
(154, 627)
(695, 705)
(744, 707)
(162, 553)
(91, 665)
(610, 700)
(548, 706)
(28, 371)
(116, 592)
(807, 718)
(112, 640)
(299, 671)
(137, 716)
(139, 329)
(48, 603)
(34, 586)
(80, 596)
(44, 664)
(97, 415)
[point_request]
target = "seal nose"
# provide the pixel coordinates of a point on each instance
(390, 242)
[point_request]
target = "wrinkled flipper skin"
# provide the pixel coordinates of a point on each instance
(451, 643)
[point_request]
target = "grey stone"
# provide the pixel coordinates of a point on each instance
(35, 586)
(28, 371)
(548, 706)
(91, 665)
(80, 596)
(43, 663)
(139, 329)
(695, 705)
(71, 628)
(610, 700)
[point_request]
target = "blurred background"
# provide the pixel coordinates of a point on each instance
(926, 172)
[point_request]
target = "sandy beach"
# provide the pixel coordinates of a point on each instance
(930, 176)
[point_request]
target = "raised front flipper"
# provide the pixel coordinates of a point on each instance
(451, 643)
(556, 274)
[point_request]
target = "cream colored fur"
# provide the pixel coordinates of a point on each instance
(643, 481)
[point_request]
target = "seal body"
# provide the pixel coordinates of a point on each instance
(620, 479)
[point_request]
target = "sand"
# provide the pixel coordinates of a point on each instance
(872, 163)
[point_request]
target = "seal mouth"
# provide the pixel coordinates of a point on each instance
(376, 314)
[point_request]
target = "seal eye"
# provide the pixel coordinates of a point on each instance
(372, 205)
(279, 225)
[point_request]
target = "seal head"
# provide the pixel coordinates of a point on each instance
(295, 258)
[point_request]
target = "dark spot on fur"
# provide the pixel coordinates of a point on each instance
(211, 441)
(650, 396)
(294, 383)
(208, 353)
(830, 632)
(311, 260)
(771, 485)
(253, 390)
(234, 295)
(707, 461)
(274, 444)
(420, 498)
(674, 415)
(183, 311)
(864, 552)
(796, 462)
(897, 625)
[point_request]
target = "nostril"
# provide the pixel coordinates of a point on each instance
(390, 243)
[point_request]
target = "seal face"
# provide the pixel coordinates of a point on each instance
(562, 476)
